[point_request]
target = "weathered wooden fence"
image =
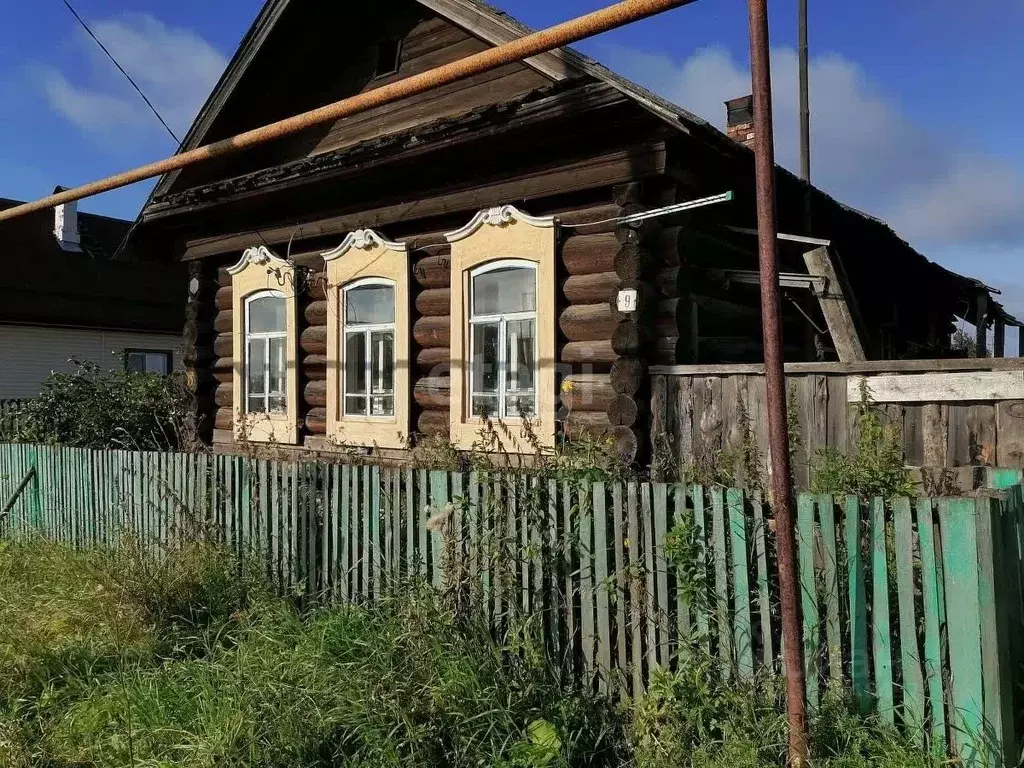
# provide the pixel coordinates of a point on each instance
(915, 605)
(956, 417)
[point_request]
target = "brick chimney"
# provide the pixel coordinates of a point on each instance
(65, 224)
(739, 124)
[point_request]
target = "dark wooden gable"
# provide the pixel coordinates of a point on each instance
(318, 53)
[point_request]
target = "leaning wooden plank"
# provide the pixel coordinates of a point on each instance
(939, 387)
(742, 629)
(830, 569)
(836, 306)
(809, 594)
(860, 686)
(960, 564)
(932, 627)
(910, 656)
(881, 635)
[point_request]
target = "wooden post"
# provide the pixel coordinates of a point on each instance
(999, 338)
(980, 325)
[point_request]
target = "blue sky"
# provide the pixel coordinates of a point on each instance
(916, 115)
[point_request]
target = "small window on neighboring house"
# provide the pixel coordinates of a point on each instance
(388, 54)
(503, 340)
(147, 361)
(369, 350)
(266, 367)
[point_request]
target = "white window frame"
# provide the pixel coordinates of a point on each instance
(163, 353)
(264, 336)
(368, 329)
(502, 320)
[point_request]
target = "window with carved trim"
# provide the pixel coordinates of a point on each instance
(266, 361)
(369, 348)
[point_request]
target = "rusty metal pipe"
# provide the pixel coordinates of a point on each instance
(775, 380)
(533, 44)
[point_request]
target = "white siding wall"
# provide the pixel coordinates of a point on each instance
(29, 353)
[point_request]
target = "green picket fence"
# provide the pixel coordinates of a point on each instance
(914, 605)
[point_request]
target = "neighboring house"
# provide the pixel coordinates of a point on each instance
(413, 270)
(62, 299)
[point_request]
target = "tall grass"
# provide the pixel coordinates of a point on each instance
(127, 660)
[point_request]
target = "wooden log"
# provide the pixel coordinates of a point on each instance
(589, 322)
(314, 367)
(189, 336)
(433, 423)
(577, 424)
(223, 370)
(433, 331)
(589, 254)
(627, 375)
(628, 338)
(224, 277)
(600, 287)
(434, 360)
(630, 261)
(584, 218)
(315, 394)
(192, 308)
(313, 340)
(222, 299)
(625, 443)
(589, 352)
(316, 313)
(667, 350)
(224, 395)
(433, 393)
(434, 302)
(623, 411)
(433, 271)
(631, 193)
(587, 392)
(632, 233)
(222, 321)
(685, 245)
(316, 421)
(668, 283)
(223, 419)
(223, 345)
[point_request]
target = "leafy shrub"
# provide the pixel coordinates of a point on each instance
(878, 466)
(93, 408)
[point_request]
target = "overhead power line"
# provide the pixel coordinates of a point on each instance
(121, 69)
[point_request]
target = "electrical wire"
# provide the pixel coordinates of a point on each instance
(667, 210)
(121, 69)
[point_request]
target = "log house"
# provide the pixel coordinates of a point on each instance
(461, 254)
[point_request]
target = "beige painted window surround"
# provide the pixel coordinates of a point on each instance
(272, 415)
(497, 240)
(364, 259)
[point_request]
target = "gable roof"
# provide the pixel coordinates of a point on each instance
(46, 285)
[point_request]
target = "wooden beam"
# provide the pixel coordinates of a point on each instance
(981, 325)
(835, 306)
(939, 387)
(999, 338)
(614, 168)
(834, 368)
(783, 236)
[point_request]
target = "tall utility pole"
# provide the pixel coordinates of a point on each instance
(778, 431)
(805, 106)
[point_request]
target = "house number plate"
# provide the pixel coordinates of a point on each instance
(627, 300)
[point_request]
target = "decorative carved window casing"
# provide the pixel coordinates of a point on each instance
(366, 260)
(502, 240)
(261, 274)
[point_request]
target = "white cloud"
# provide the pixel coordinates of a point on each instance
(174, 67)
(865, 149)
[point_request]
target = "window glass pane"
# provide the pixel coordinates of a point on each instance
(277, 404)
(505, 290)
(485, 357)
(519, 356)
(256, 404)
(382, 406)
(355, 405)
(277, 365)
(266, 315)
(355, 363)
(156, 362)
(136, 362)
(370, 304)
(255, 363)
(484, 405)
(520, 404)
(382, 366)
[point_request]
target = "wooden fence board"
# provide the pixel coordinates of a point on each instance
(932, 638)
(742, 629)
(830, 570)
(880, 631)
(660, 526)
(910, 657)
(604, 636)
(857, 606)
(721, 570)
(764, 603)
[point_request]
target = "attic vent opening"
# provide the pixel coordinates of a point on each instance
(388, 53)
